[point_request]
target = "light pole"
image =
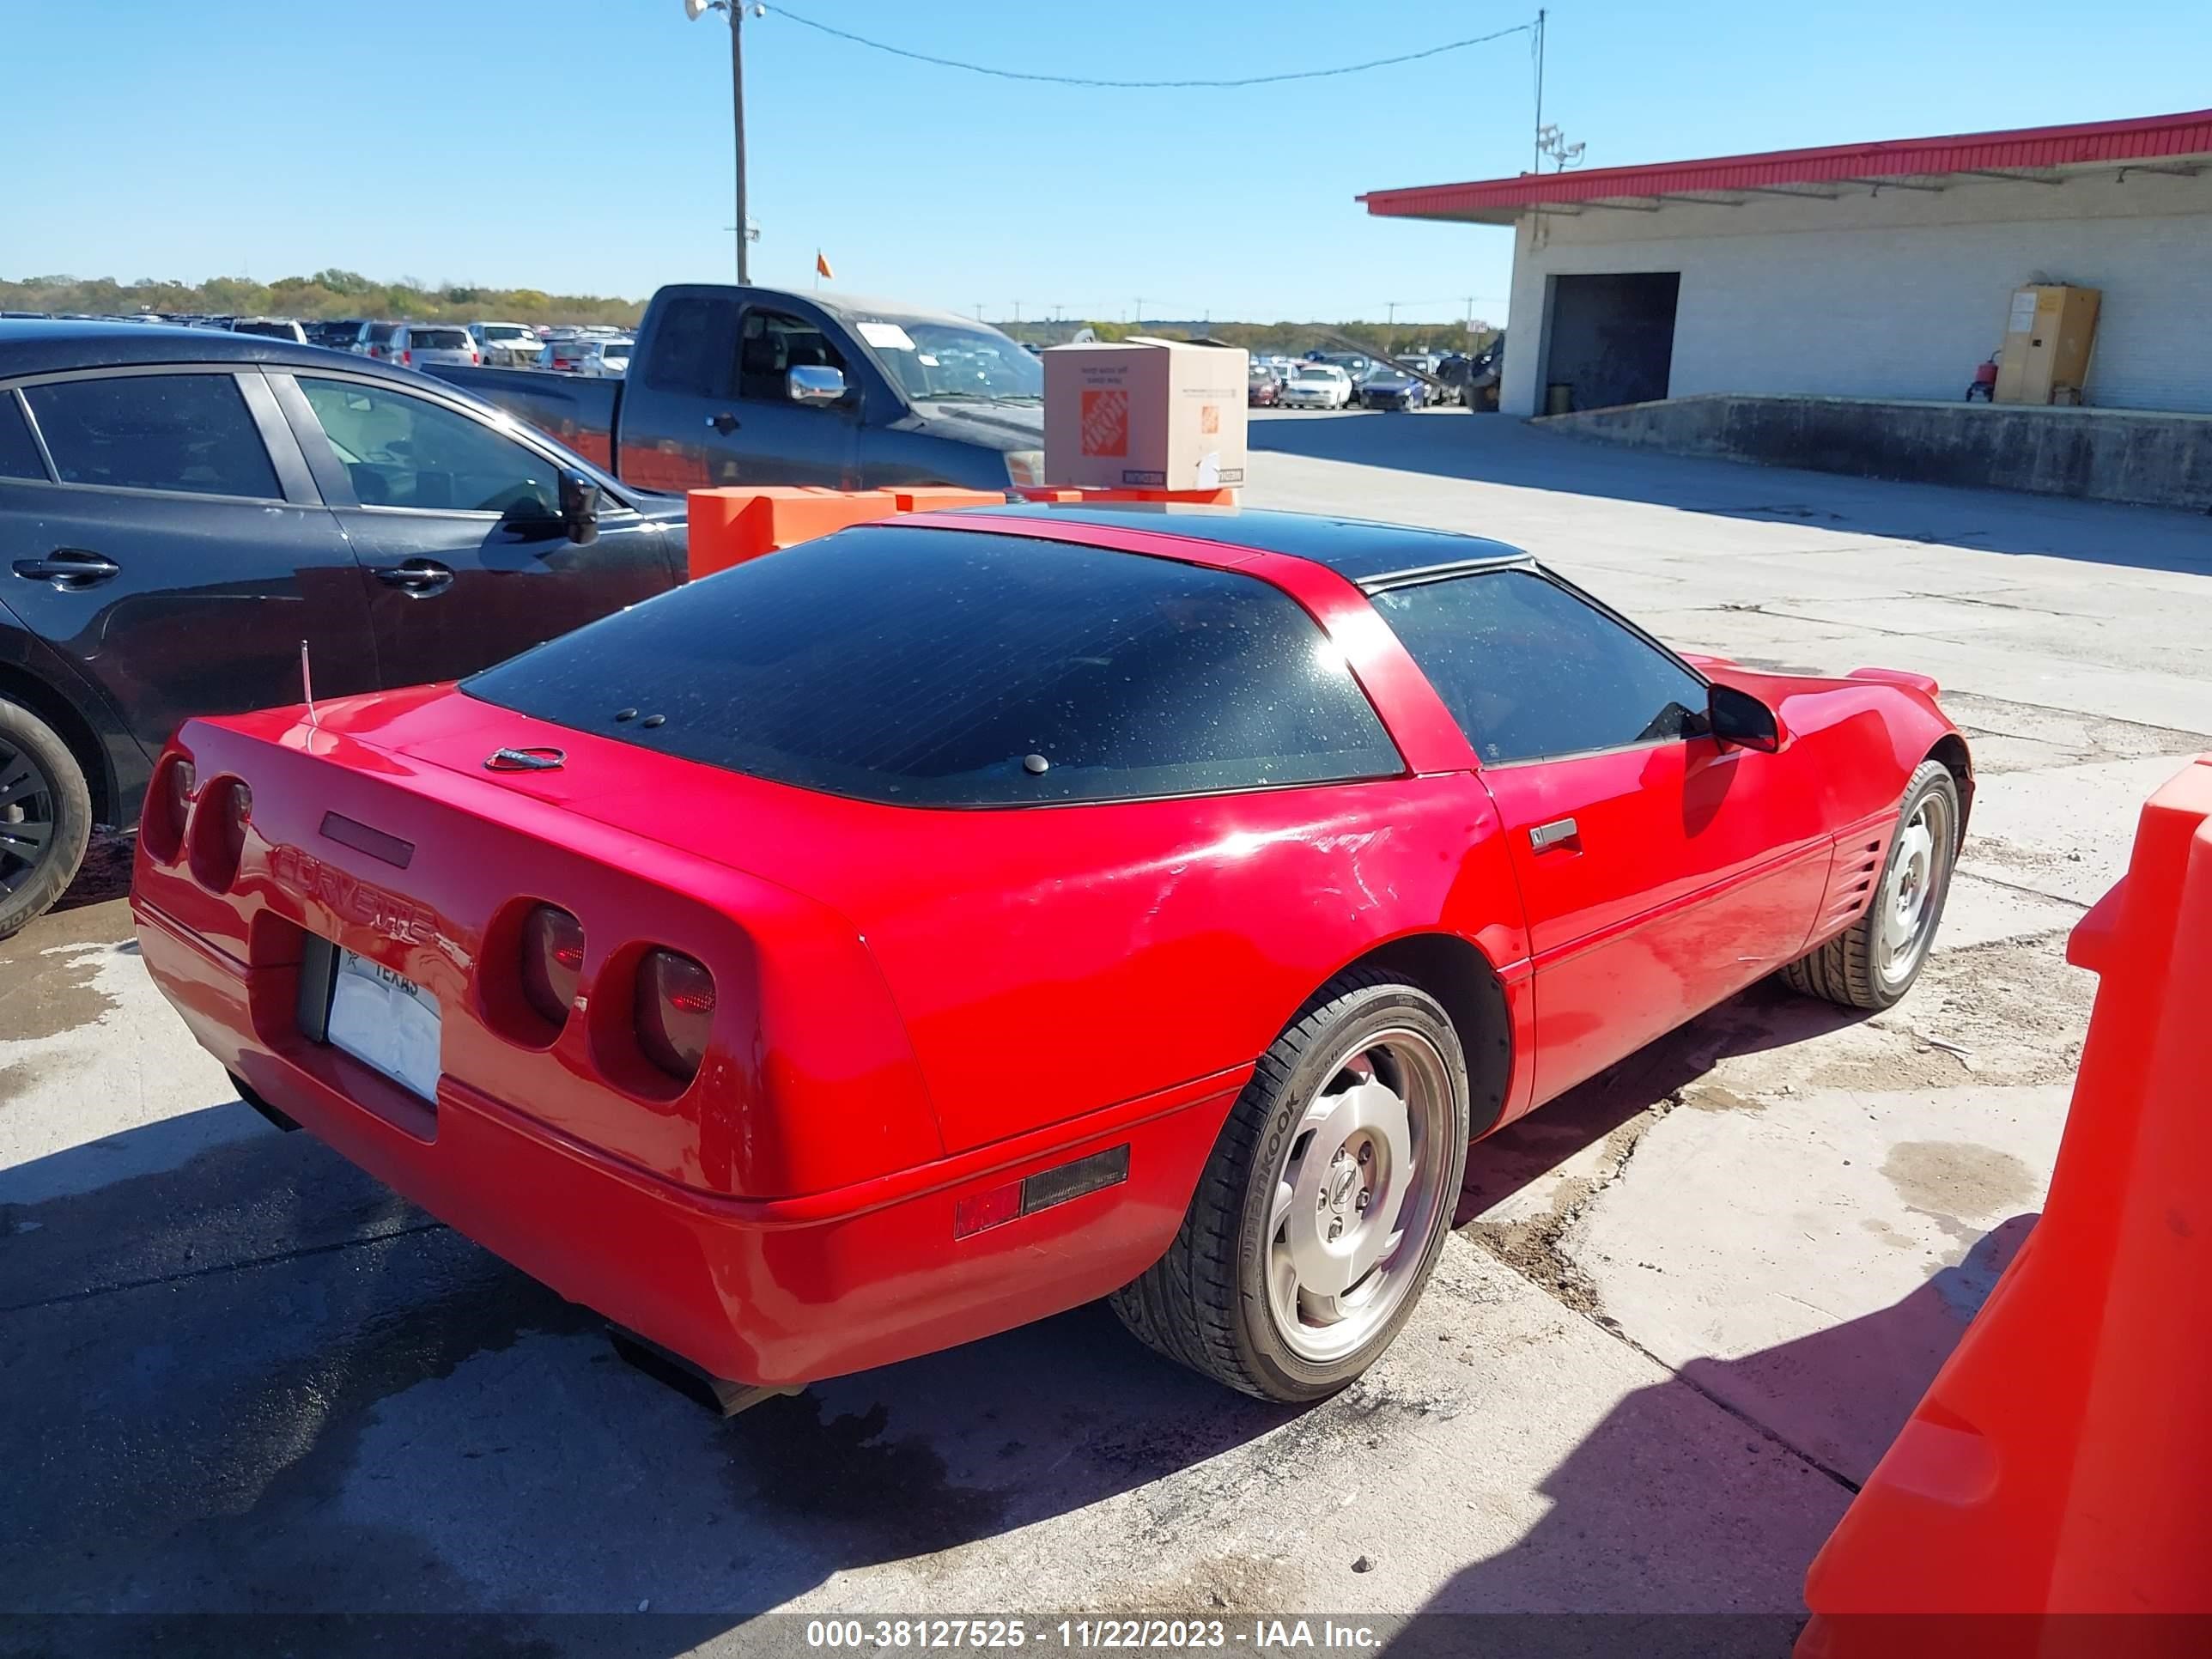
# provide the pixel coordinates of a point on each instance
(694, 9)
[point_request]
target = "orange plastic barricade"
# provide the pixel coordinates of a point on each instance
(2061, 1460)
(730, 526)
(942, 498)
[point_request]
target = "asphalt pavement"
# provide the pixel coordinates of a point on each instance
(1686, 1308)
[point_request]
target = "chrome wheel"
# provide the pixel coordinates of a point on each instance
(1911, 893)
(1357, 1195)
(27, 816)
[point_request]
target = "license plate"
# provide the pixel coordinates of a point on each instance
(385, 1021)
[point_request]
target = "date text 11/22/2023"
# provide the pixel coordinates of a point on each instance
(1263, 1636)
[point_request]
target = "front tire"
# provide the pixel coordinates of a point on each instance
(45, 817)
(1872, 964)
(1319, 1214)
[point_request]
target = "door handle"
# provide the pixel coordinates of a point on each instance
(725, 423)
(1560, 832)
(68, 568)
(420, 578)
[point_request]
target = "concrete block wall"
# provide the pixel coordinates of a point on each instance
(1898, 293)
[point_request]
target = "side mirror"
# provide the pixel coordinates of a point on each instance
(1741, 719)
(815, 383)
(580, 509)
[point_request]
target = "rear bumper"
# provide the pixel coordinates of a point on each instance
(772, 1292)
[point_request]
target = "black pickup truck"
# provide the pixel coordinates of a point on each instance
(754, 385)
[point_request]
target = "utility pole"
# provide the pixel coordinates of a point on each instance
(1536, 150)
(1017, 313)
(1392, 306)
(738, 127)
(1138, 319)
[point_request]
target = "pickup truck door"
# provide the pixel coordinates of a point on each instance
(456, 523)
(175, 553)
(708, 401)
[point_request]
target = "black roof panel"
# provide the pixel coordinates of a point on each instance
(41, 346)
(1360, 550)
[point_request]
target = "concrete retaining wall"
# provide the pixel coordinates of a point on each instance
(2099, 454)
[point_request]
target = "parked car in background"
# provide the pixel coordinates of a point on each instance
(561, 351)
(1263, 387)
(374, 341)
(700, 1009)
(506, 345)
(419, 345)
(338, 335)
(271, 328)
(182, 508)
(606, 358)
(737, 386)
(1317, 385)
(1385, 387)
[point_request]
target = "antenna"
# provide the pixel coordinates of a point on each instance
(308, 686)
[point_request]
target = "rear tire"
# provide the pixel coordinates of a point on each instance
(45, 817)
(1362, 1105)
(1872, 964)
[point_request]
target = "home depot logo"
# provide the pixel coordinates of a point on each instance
(1106, 423)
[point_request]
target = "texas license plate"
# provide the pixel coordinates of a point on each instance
(385, 1021)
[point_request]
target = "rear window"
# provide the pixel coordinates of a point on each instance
(437, 339)
(378, 333)
(938, 667)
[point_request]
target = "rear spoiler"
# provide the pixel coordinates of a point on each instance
(1923, 682)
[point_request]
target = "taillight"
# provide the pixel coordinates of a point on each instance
(237, 813)
(407, 356)
(218, 836)
(474, 356)
(552, 962)
(675, 1010)
(183, 783)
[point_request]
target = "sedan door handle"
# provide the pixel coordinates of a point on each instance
(725, 423)
(1560, 832)
(68, 568)
(419, 577)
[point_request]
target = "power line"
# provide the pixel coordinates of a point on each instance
(1087, 81)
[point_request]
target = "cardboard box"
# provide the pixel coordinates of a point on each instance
(1145, 414)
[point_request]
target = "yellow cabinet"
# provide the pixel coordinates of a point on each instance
(2048, 337)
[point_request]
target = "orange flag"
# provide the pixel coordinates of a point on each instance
(822, 266)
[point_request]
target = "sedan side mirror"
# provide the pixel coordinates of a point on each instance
(580, 509)
(1739, 718)
(816, 384)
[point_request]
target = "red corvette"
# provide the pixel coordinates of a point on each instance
(926, 929)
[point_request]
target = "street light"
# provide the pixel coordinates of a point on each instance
(694, 9)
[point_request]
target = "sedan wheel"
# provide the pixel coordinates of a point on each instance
(1319, 1214)
(45, 817)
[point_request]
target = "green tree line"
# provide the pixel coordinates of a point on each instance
(326, 295)
(1290, 339)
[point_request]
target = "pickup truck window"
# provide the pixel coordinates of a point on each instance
(19, 454)
(943, 360)
(404, 451)
(183, 431)
(774, 344)
(695, 347)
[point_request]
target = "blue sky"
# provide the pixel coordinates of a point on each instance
(584, 145)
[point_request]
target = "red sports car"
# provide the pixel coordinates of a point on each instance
(925, 929)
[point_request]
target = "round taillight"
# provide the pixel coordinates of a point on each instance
(675, 1012)
(168, 809)
(552, 965)
(237, 813)
(218, 833)
(184, 784)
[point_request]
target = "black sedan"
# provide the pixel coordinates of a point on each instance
(1390, 388)
(182, 509)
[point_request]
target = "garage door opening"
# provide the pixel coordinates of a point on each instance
(1611, 339)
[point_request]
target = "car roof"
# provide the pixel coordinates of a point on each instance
(30, 347)
(1359, 550)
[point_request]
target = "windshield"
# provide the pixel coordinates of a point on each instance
(506, 332)
(1316, 374)
(948, 359)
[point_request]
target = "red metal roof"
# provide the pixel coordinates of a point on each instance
(2146, 138)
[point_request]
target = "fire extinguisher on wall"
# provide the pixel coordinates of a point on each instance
(1985, 384)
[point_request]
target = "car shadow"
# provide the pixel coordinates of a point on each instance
(1502, 450)
(1877, 1367)
(237, 1376)
(1768, 1015)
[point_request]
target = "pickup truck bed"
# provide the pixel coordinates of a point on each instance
(576, 409)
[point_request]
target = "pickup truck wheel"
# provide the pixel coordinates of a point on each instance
(1319, 1214)
(1872, 964)
(45, 817)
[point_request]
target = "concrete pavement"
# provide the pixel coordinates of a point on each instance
(1686, 1308)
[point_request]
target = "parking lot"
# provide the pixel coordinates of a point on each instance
(1686, 1308)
